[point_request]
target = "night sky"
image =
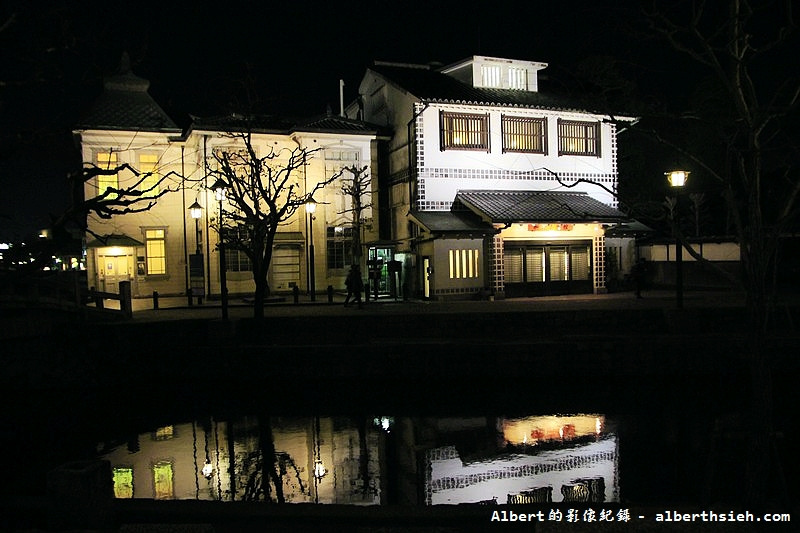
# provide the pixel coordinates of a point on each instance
(279, 58)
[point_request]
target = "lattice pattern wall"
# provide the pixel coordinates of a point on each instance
(599, 248)
(498, 267)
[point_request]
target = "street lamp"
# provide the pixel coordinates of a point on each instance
(677, 180)
(220, 188)
(311, 208)
(196, 210)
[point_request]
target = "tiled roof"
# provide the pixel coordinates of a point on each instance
(516, 206)
(432, 86)
(280, 125)
(451, 222)
(126, 105)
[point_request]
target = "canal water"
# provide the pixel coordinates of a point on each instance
(373, 460)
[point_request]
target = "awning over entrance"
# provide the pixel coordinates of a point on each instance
(451, 222)
(114, 239)
(501, 207)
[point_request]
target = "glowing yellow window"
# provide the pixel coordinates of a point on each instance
(107, 161)
(163, 481)
(150, 175)
(123, 482)
(156, 250)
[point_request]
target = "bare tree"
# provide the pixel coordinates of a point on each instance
(356, 185)
(743, 48)
(264, 192)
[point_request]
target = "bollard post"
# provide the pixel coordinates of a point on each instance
(330, 294)
(125, 303)
(189, 296)
(155, 299)
(296, 294)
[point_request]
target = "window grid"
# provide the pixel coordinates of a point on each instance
(107, 161)
(339, 247)
(517, 78)
(578, 138)
(236, 260)
(524, 134)
(490, 76)
(148, 166)
(464, 131)
(156, 251)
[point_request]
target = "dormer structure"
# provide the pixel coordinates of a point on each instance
(497, 73)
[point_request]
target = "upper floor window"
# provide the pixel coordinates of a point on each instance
(517, 78)
(491, 76)
(578, 138)
(464, 131)
(150, 177)
(524, 134)
(107, 161)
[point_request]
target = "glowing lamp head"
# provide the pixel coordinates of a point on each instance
(677, 178)
(196, 210)
(219, 189)
(311, 206)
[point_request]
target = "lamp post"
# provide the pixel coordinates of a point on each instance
(219, 188)
(311, 208)
(196, 210)
(677, 180)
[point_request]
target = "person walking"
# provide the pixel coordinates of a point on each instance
(355, 286)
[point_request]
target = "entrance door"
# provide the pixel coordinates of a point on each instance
(114, 268)
(548, 269)
(285, 268)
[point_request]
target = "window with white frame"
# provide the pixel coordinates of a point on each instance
(578, 138)
(155, 251)
(107, 161)
(464, 263)
(524, 134)
(517, 78)
(339, 247)
(464, 131)
(335, 161)
(149, 174)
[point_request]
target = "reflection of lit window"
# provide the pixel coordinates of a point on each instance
(164, 433)
(163, 481)
(123, 482)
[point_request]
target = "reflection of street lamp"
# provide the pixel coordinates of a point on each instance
(677, 180)
(311, 207)
(219, 189)
(319, 468)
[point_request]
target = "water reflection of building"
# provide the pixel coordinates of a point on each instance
(325, 460)
(541, 458)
